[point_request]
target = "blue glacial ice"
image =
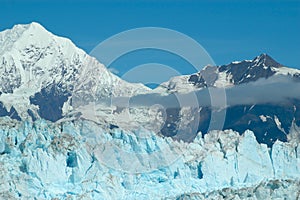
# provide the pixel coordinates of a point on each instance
(83, 160)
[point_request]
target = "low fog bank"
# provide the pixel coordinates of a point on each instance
(274, 90)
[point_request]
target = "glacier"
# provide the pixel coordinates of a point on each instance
(85, 160)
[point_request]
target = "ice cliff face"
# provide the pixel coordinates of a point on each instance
(83, 161)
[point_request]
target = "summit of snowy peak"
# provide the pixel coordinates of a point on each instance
(25, 36)
(36, 25)
(17, 30)
(20, 28)
(266, 60)
(262, 66)
(262, 59)
(33, 26)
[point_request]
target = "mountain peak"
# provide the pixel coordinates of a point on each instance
(263, 56)
(36, 26)
(266, 60)
(22, 34)
(32, 27)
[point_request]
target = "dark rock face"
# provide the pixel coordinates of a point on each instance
(205, 78)
(267, 61)
(268, 122)
(50, 101)
(246, 71)
(10, 77)
(241, 72)
(12, 113)
(170, 127)
(31, 114)
(296, 77)
(197, 80)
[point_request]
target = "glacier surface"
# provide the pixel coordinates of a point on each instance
(83, 160)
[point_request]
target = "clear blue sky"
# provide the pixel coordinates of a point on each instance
(228, 30)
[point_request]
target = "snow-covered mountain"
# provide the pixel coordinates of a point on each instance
(40, 72)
